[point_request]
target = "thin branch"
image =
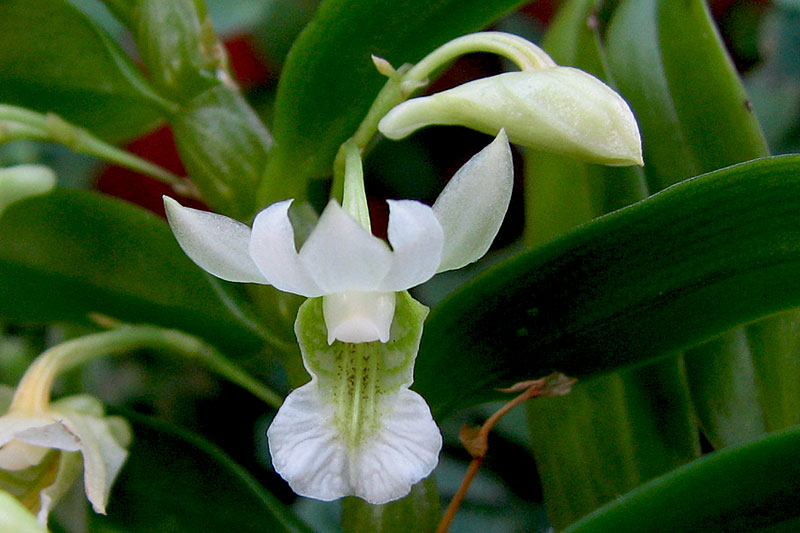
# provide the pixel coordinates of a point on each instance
(476, 440)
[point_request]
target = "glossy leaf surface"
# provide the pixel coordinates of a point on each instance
(672, 65)
(613, 433)
(662, 275)
(70, 253)
(54, 59)
(751, 487)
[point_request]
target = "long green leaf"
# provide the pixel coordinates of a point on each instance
(750, 487)
(175, 481)
(672, 65)
(70, 253)
(55, 59)
(611, 434)
(329, 81)
(662, 275)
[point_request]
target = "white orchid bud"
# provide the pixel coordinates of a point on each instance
(558, 109)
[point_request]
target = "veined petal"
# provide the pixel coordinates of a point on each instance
(401, 452)
(310, 453)
(417, 238)
(473, 204)
(272, 248)
(218, 244)
(341, 255)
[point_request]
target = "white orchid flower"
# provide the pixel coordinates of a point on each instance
(356, 273)
(356, 428)
(44, 446)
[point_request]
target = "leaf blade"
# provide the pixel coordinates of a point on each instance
(70, 253)
(62, 62)
(661, 275)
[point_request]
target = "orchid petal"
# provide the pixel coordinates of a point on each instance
(103, 455)
(308, 451)
(403, 451)
(273, 250)
(473, 204)
(305, 449)
(417, 238)
(71, 425)
(218, 244)
(68, 471)
(16, 453)
(341, 255)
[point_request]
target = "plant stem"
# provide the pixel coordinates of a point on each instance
(19, 123)
(33, 391)
(408, 79)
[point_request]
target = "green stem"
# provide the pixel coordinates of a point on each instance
(19, 123)
(33, 391)
(407, 80)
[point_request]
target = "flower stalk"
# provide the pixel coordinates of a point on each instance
(33, 391)
(19, 123)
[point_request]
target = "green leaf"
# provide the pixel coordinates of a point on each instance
(723, 385)
(609, 435)
(779, 384)
(750, 487)
(662, 275)
(671, 64)
(224, 146)
(175, 481)
(616, 432)
(329, 81)
(54, 59)
(70, 253)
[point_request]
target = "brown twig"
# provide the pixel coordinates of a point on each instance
(476, 440)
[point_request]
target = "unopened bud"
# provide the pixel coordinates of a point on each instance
(557, 109)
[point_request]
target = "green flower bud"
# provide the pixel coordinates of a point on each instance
(557, 109)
